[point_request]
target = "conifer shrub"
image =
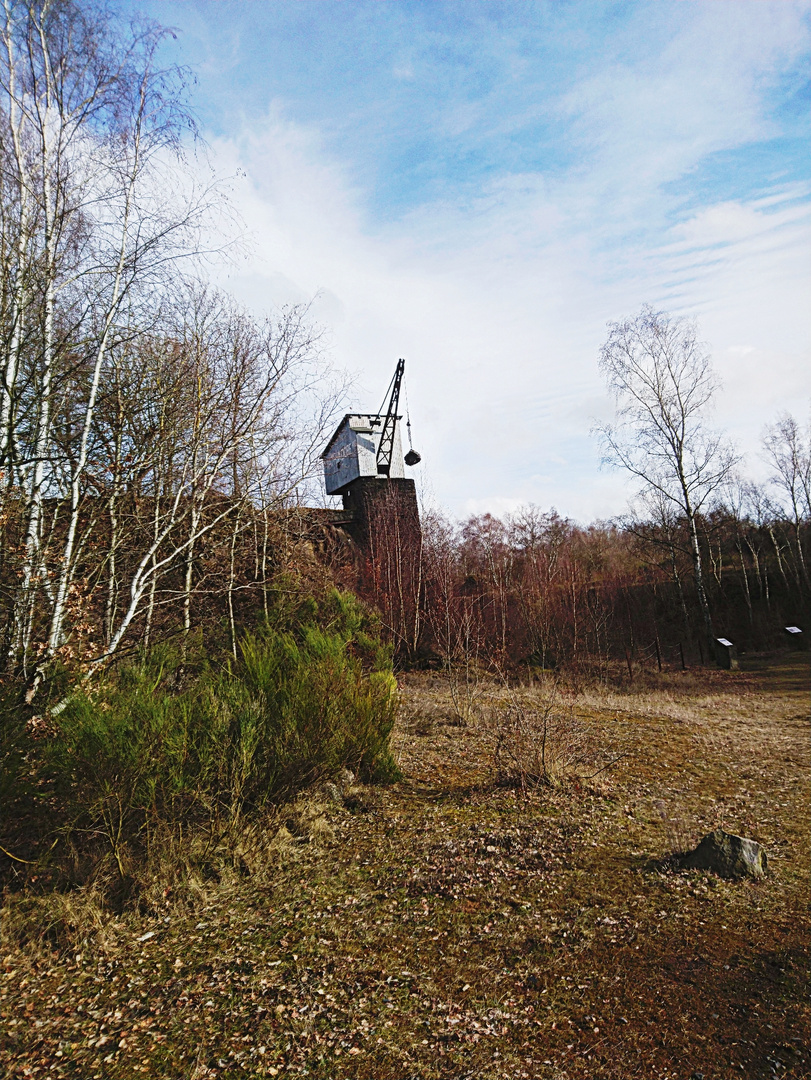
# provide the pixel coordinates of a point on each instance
(152, 746)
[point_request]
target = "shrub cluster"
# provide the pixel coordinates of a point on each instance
(155, 745)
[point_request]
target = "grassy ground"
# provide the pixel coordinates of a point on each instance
(450, 927)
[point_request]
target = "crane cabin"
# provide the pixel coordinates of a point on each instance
(354, 451)
(368, 445)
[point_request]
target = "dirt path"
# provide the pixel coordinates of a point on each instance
(447, 927)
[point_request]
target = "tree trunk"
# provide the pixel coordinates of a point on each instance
(703, 603)
(746, 592)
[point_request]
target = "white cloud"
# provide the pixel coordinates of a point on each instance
(499, 300)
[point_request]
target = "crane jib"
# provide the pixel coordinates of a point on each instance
(386, 447)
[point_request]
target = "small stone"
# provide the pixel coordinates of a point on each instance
(332, 792)
(727, 855)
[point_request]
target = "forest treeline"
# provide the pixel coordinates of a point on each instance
(538, 590)
(702, 554)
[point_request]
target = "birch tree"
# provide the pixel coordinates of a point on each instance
(788, 450)
(663, 384)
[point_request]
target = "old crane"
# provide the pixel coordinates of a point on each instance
(369, 444)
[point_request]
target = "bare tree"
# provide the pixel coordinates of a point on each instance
(663, 384)
(453, 614)
(539, 538)
(788, 450)
(758, 512)
(219, 387)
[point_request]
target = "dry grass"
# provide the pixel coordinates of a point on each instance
(448, 927)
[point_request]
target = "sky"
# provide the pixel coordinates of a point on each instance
(481, 187)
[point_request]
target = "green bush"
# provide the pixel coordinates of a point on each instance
(16, 787)
(13, 745)
(128, 754)
(306, 708)
(312, 693)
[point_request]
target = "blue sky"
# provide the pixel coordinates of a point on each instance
(480, 187)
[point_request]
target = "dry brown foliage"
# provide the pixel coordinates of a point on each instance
(449, 927)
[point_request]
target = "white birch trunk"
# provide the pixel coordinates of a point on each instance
(67, 566)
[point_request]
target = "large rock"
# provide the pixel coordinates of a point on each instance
(727, 855)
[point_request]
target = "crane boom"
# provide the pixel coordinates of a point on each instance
(386, 446)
